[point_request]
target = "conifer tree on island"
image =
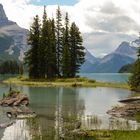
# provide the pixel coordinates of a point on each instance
(56, 50)
(59, 36)
(66, 58)
(43, 45)
(77, 49)
(32, 56)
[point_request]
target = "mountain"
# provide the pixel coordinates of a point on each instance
(126, 68)
(90, 61)
(123, 55)
(13, 39)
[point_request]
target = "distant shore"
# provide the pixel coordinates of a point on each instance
(68, 82)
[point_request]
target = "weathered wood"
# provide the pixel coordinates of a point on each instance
(132, 99)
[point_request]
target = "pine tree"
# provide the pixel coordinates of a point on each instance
(51, 50)
(77, 49)
(66, 49)
(43, 46)
(134, 80)
(59, 49)
(55, 50)
(32, 57)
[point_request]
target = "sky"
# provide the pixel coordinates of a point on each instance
(104, 23)
(52, 2)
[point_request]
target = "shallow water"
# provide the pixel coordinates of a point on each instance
(59, 109)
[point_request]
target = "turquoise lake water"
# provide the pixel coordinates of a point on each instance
(108, 77)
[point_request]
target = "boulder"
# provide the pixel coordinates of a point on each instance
(15, 99)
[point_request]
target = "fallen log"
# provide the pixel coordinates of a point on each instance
(129, 100)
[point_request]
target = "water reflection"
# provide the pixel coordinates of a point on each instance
(59, 110)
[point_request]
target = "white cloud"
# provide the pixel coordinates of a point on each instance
(105, 22)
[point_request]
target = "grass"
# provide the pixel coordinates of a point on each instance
(108, 135)
(68, 82)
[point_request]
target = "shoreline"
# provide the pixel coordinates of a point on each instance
(70, 82)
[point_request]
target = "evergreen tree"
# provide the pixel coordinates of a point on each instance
(43, 46)
(55, 50)
(32, 56)
(51, 50)
(59, 49)
(77, 49)
(66, 49)
(10, 67)
(134, 80)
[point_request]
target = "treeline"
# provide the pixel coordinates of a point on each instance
(11, 67)
(134, 80)
(56, 49)
(126, 68)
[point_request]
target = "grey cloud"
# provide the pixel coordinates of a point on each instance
(104, 43)
(110, 19)
(114, 23)
(110, 8)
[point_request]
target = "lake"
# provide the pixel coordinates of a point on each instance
(108, 77)
(58, 109)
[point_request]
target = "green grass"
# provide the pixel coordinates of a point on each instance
(108, 135)
(63, 82)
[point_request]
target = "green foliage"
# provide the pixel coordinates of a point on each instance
(56, 50)
(32, 56)
(134, 80)
(126, 69)
(11, 67)
(59, 40)
(66, 58)
(77, 49)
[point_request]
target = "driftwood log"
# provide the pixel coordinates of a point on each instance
(132, 99)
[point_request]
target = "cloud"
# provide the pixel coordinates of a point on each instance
(100, 43)
(103, 23)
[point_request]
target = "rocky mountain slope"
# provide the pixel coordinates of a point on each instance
(125, 54)
(13, 39)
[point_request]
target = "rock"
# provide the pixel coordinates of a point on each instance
(4, 125)
(3, 17)
(17, 103)
(22, 112)
(15, 99)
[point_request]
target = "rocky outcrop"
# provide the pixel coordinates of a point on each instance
(15, 99)
(3, 18)
(16, 104)
(18, 46)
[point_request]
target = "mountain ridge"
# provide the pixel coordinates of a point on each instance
(126, 53)
(18, 36)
